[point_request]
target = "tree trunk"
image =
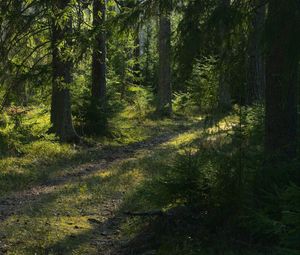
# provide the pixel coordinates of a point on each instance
(147, 54)
(224, 87)
(20, 92)
(99, 53)
(164, 92)
(137, 55)
(256, 61)
(281, 79)
(97, 117)
(61, 117)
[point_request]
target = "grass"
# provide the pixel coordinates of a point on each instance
(59, 221)
(67, 215)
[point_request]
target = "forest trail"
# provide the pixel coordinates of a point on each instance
(104, 220)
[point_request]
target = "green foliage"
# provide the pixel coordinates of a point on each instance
(203, 84)
(21, 126)
(201, 90)
(183, 103)
(140, 100)
(216, 180)
(291, 217)
(187, 182)
(95, 118)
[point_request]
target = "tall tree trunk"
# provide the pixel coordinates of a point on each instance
(137, 55)
(224, 87)
(146, 52)
(99, 53)
(164, 92)
(61, 117)
(256, 61)
(281, 79)
(97, 116)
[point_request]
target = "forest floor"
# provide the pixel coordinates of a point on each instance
(77, 204)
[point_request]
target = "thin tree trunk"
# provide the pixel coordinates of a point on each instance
(61, 117)
(164, 92)
(281, 79)
(256, 60)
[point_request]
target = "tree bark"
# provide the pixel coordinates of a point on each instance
(137, 55)
(256, 81)
(224, 87)
(97, 117)
(99, 53)
(281, 79)
(164, 92)
(61, 117)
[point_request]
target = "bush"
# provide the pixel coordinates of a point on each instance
(21, 127)
(140, 100)
(291, 218)
(184, 104)
(203, 84)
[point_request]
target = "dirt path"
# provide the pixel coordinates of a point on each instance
(107, 241)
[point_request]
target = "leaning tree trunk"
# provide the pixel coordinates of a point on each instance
(97, 116)
(256, 61)
(281, 79)
(164, 91)
(61, 117)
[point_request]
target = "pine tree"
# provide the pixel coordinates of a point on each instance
(61, 117)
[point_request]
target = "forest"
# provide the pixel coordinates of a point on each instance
(149, 127)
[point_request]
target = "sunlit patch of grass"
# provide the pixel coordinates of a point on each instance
(33, 235)
(104, 175)
(135, 174)
(185, 138)
(40, 160)
(31, 154)
(224, 124)
(48, 151)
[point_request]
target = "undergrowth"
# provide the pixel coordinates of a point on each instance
(209, 194)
